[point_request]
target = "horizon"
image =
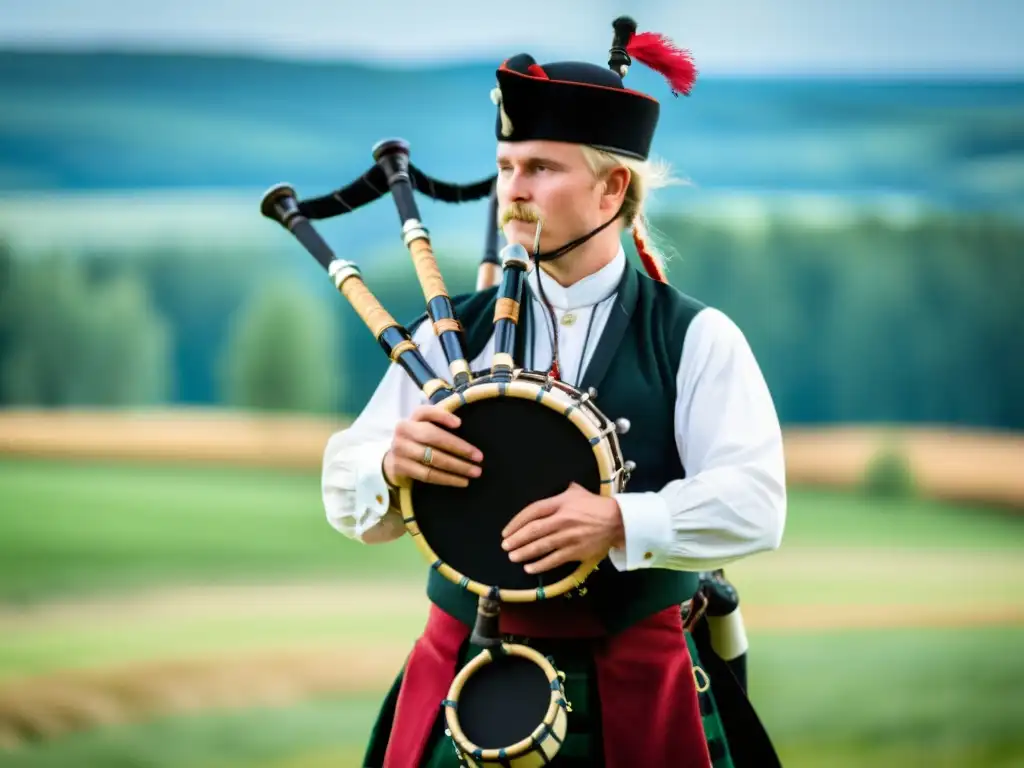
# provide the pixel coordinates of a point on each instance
(43, 48)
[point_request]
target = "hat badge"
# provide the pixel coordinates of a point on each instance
(499, 102)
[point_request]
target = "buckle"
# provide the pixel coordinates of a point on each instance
(693, 609)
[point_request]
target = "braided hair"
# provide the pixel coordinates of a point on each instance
(644, 178)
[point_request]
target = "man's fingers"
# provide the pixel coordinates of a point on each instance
(530, 532)
(559, 557)
(419, 471)
(532, 512)
(437, 415)
(431, 434)
(438, 458)
(540, 545)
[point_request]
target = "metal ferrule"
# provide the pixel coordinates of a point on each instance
(413, 229)
(341, 270)
(400, 175)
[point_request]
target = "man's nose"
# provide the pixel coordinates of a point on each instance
(517, 188)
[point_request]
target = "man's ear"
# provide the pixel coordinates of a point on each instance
(616, 182)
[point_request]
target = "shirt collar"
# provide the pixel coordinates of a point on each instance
(586, 292)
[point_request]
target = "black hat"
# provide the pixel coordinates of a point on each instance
(585, 103)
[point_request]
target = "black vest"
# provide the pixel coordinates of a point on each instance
(634, 371)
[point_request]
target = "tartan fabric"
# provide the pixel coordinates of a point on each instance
(582, 745)
(714, 730)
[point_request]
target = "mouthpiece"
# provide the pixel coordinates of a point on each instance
(514, 262)
(514, 252)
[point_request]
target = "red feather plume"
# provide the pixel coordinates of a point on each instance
(662, 55)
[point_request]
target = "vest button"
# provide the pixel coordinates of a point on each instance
(648, 555)
(380, 499)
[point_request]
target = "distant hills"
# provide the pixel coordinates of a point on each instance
(116, 123)
(127, 121)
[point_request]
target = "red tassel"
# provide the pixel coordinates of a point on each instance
(662, 55)
(651, 266)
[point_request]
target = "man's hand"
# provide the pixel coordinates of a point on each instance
(422, 449)
(575, 525)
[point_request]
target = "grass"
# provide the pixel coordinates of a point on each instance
(259, 737)
(778, 591)
(78, 528)
(42, 650)
(942, 696)
(848, 519)
(937, 691)
(75, 528)
(908, 698)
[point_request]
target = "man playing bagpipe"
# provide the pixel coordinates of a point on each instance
(706, 483)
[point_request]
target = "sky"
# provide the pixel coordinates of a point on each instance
(725, 36)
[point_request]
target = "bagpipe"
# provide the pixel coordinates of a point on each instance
(458, 530)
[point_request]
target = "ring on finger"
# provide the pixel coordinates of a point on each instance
(428, 455)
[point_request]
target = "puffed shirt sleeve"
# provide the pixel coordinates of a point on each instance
(355, 494)
(732, 502)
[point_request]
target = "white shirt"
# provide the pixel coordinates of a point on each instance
(731, 504)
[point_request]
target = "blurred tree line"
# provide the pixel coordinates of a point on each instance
(158, 328)
(863, 321)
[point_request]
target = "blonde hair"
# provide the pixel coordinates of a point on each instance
(644, 177)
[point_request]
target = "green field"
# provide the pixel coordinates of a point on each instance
(106, 567)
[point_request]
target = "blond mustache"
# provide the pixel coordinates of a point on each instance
(517, 212)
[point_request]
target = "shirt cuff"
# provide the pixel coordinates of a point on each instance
(372, 498)
(648, 531)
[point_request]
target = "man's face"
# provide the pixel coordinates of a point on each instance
(551, 180)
